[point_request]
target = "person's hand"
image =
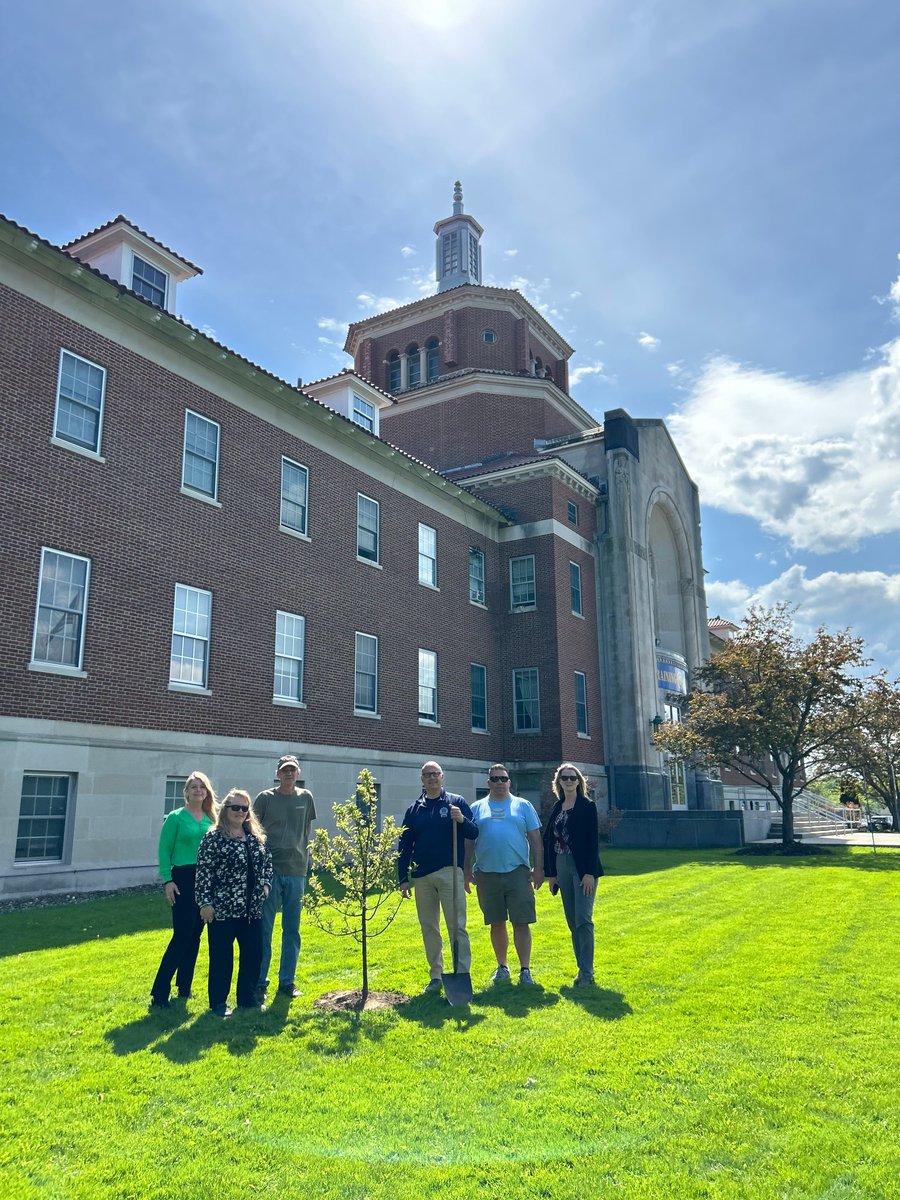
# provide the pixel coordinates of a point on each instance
(405, 891)
(266, 890)
(456, 814)
(206, 914)
(467, 881)
(171, 890)
(552, 883)
(537, 878)
(588, 883)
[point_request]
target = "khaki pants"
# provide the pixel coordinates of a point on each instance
(435, 892)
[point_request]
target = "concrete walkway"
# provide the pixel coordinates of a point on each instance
(888, 841)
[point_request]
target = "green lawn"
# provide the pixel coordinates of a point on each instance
(743, 1043)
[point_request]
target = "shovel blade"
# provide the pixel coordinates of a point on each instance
(458, 987)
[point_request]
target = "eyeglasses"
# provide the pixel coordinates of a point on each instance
(238, 807)
(568, 779)
(429, 774)
(498, 778)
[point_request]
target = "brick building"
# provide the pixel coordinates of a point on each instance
(437, 553)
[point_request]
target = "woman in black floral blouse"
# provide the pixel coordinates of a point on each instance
(234, 873)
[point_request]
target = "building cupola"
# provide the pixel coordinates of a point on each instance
(458, 249)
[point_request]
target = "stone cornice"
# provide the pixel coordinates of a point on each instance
(553, 468)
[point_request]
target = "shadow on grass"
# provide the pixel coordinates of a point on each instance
(598, 1002)
(184, 1038)
(434, 1012)
(515, 1000)
(72, 924)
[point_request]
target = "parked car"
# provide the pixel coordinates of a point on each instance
(882, 823)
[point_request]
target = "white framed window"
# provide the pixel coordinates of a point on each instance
(428, 686)
(174, 796)
(522, 593)
(572, 512)
(191, 627)
(149, 282)
(581, 711)
(365, 695)
(364, 413)
(575, 589)
(478, 690)
(44, 817)
(290, 631)
(450, 252)
(80, 393)
(527, 700)
(427, 556)
(432, 360)
(393, 371)
(59, 621)
(476, 575)
(200, 470)
(294, 496)
(368, 528)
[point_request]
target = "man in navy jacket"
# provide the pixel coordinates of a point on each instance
(425, 863)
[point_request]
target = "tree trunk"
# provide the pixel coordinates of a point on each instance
(787, 814)
(365, 959)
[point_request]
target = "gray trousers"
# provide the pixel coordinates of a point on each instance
(579, 910)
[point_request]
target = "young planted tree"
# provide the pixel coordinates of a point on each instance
(353, 888)
(871, 747)
(768, 693)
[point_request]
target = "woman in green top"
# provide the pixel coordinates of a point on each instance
(182, 832)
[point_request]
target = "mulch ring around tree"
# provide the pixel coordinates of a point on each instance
(792, 850)
(350, 1001)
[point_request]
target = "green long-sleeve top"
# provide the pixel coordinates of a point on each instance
(180, 840)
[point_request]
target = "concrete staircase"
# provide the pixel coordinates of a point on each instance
(815, 817)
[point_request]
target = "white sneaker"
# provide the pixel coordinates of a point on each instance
(526, 977)
(501, 975)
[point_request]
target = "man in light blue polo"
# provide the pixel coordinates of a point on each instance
(509, 842)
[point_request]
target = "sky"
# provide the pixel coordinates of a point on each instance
(703, 198)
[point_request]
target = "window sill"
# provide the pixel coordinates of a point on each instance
(62, 444)
(189, 689)
(294, 533)
(482, 732)
(478, 603)
(195, 495)
(584, 736)
(432, 587)
(527, 732)
(358, 712)
(58, 669)
(284, 702)
(580, 615)
(431, 724)
(369, 562)
(523, 608)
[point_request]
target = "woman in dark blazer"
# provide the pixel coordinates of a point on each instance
(572, 862)
(234, 874)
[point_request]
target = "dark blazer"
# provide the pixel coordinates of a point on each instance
(584, 837)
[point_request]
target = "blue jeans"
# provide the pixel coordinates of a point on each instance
(286, 893)
(579, 910)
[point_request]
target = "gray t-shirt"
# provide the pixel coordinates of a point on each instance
(287, 820)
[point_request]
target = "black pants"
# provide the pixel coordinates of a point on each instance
(180, 957)
(222, 936)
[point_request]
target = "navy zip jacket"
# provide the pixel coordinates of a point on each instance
(425, 840)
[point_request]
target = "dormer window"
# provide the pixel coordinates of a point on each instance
(363, 413)
(149, 282)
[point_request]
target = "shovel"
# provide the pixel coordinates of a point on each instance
(458, 986)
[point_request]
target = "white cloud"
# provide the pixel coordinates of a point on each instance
(816, 462)
(576, 376)
(407, 251)
(510, 253)
(574, 295)
(675, 368)
(648, 341)
(332, 325)
(866, 601)
(378, 304)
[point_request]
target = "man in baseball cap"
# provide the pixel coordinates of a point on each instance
(286, 813)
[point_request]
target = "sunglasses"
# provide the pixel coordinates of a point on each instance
(498, 778)
(238, 807)
(568, 779)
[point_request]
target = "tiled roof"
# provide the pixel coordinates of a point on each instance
(167, 316)
(122, 220)
(350, 371)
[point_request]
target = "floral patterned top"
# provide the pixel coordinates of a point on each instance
(232, 874)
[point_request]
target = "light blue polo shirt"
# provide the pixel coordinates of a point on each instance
(503, 827)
